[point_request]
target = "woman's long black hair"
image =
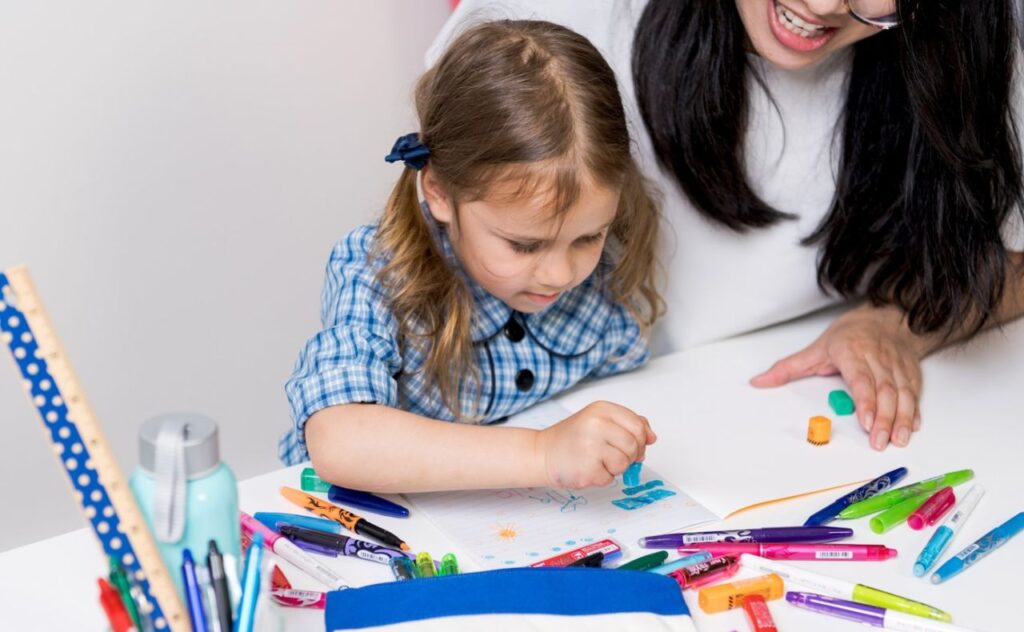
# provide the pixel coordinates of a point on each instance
(930, 162)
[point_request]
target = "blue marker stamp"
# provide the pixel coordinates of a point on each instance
(631, 477)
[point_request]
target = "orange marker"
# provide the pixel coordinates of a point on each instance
(349, 520)
(728, 596)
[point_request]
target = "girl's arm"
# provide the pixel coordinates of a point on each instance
(880, 358)
(383, 449)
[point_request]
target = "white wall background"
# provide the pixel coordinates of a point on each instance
(174, 174)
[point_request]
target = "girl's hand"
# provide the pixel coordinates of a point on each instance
(880, 359)
(594, 445)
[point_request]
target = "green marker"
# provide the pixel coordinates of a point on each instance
(841, 588)
(119, 579)
(896, 496)
(449, 565)
(841, 402)
(312, 483)
(897, 515)
(645, 563)
(881, 599)
(425, 565)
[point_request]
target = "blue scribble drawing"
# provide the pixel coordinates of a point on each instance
(635, 502)
(568, 502)
(632, 491)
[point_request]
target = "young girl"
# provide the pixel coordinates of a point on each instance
(528, 268)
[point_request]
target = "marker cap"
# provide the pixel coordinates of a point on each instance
(731, 595)
(819, 430)
(898, 514)
(933, 509)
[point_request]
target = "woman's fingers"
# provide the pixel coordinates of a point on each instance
(801, 364)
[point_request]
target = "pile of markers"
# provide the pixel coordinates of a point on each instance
(214, 597)
(710, 557)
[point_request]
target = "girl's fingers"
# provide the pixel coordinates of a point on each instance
(615, 461)
(633, 424)
(801, 364)
(624, 442)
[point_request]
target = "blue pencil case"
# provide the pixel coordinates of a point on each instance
(532, 598)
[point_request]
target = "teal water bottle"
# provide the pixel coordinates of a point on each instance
(187, 495)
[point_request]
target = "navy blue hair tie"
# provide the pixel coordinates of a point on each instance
(409, 150)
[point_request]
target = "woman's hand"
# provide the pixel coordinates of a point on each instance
(878, 357)
(591, 447)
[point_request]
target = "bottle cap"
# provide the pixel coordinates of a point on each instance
(200, 443)
(731, 595)
(819, 430)
(932, 509)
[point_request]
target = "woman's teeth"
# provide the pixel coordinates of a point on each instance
(794, 24)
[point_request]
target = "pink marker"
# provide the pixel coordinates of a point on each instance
(608, 547)
(796, 551)
(287, 550)
(933, 509)
(299, 598)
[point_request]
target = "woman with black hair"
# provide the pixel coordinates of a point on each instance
(817, 150)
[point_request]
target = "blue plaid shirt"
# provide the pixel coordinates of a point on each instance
(523, 358)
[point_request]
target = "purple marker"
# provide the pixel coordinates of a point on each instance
(334, 544)
(863, 613)
(769, 534)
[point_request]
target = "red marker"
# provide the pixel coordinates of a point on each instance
(758, 614)
(608, 547)
(706, 572)
(117, 615)
(299, 598)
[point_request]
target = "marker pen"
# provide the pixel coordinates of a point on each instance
(793, 551)
(944, 534)
(288, 551)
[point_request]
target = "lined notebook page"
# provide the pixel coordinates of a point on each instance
(516, 527)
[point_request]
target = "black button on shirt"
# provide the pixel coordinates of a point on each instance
(514, 331)
(524, 380)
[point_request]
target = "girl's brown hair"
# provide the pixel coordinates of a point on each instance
(527, 102)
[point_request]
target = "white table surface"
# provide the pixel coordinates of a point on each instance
(699, 400)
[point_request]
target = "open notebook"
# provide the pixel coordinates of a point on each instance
(516, 527)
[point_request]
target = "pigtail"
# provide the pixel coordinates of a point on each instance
(431, 303)
(632, 246)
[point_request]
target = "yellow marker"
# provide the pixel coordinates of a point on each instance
(819, 430)
(731, 595)
(425, 564)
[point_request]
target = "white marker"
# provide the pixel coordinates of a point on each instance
(944, 534)
(288, 551)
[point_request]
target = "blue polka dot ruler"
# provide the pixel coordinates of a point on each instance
(82, 449)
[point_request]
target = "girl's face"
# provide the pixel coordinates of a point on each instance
(516, 250)
(794, 34)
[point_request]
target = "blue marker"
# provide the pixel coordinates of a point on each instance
(944, 534)
(271, 518)
(250, 585)
(982, 547)
(880, 484)
(193, 594)
(682, 562)
(631, 477)
(367, 501)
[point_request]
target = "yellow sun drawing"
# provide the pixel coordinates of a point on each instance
(507, 532)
